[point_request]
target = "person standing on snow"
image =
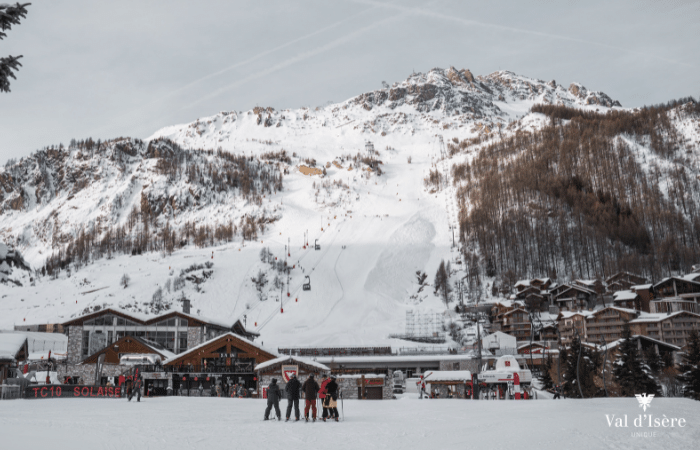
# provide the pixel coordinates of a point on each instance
(273, 399)
(129, 388)
(557, 392)
(310, 389)
(322, 395)
(293, 390)
(331, 400)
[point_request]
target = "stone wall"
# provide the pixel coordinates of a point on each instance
(348, 385)
(471, 365)
(75, 344)
(194, 337)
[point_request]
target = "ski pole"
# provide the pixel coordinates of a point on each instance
(342, 406)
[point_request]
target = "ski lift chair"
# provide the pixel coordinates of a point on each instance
(316, 246)
(307, 285)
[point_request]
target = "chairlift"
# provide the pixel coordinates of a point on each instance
(307, 285)
(316, 246)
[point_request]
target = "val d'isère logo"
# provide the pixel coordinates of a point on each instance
(644, 400)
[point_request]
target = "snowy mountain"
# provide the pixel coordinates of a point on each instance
(210, 210)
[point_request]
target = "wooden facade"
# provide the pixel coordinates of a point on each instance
(608, 323)
(127, 344)
(20, 354)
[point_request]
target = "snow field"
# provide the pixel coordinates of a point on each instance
(220, 423)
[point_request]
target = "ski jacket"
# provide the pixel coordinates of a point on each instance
(293, 389)
(310, 389)
(273, 393)
(332, 390)
(322, 391)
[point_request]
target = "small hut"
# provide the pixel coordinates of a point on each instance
(449, 383)
(283, 367)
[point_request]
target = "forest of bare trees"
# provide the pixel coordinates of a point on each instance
(582, 195)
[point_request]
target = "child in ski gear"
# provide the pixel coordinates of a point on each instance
(310, 389)
(557, 392)
(331, 399)
(322, 395)
(273, 399)
(293, 389)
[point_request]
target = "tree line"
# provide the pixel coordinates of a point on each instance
(589, 194)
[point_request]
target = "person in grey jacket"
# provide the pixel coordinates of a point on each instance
(293, 390)
(273, 399)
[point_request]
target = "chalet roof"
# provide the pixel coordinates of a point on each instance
(145, 319)
(523, 283)
(292, 359)
(512, 311)
(623, 273)
(10, 345)
(621, 296)
(534, 344)
(641, 287)
(576, 288)
(567, 314)
(152, 346)
(229, 334)
(665, 280)
(616, 308)
(691, 276)
(543, 280)
(586, 282)
(642, 337)
(448, 375)
(658, 317)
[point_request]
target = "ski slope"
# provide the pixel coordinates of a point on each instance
(408, 423)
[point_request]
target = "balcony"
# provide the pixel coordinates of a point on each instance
(238, 367)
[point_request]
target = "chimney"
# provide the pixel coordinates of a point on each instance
(186, 305)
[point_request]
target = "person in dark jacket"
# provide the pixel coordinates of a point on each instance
(293, 390)
(273, 399)
(331, 400)
(310, 389)
(322, 395)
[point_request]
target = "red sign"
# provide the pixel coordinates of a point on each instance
(507, 363)
(67, 391)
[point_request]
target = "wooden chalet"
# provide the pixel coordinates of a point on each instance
(622, 281)
(13, 350)
(575, 297)
(594, 285)
(627, 299)
(274, 368)
(129, 345)
(571, 323)
(606, 325)
(675, 294)
(175, 331)
(673, 328)
(228, 356)
(449, 383)
(516, 322)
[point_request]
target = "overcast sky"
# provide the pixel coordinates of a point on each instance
(104, 69)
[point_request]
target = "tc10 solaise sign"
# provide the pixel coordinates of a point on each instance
(72, 391)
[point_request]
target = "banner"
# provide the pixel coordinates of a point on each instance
(72, 391)
(288, 371)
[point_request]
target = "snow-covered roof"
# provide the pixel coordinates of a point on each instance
(237, 336)
(676, 278)
(388, 359)
(10, 345)
(587, 282)
(292, 359)
(691, 276)
(44, 355)
(522, 283)
(448, 375)
(39, 341)
(656, 317)
(621, 296)
(567, 314)
(616, 308)
(640, 287)
(141, 317)
(614, 344)
(167, 354)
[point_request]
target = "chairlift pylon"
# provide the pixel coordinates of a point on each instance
(307, 285)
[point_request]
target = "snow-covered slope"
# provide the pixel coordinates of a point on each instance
(374, 230)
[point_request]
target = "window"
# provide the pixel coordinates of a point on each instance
(183, 342)
(183, 322)
(86, 342)
(109, 337)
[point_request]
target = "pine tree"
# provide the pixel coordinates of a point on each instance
(579, 370)
(689, 370)
(631, 374)
(546, 377)
(9, 15)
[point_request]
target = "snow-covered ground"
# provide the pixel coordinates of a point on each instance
(408, 423)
